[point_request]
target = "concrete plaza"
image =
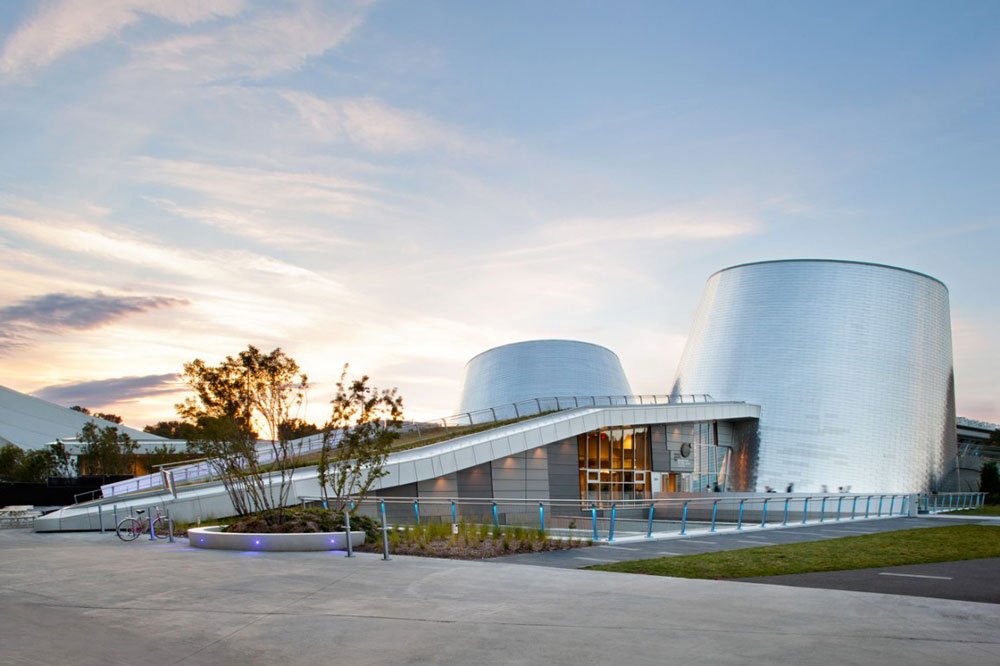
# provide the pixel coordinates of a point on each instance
(90, 599)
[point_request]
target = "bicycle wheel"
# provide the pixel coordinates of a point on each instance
(129, 529)
(160, 527)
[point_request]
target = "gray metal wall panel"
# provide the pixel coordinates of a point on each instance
(523, 475)
(564, 469)
(851, 362)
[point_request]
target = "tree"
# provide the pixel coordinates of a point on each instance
(174, 430)
(106, 451)
(234, 400)
(10, 462)
(989, 479)
(357, 439)
(297, 429)
(107, 416)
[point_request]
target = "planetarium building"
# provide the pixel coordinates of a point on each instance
(851, 364)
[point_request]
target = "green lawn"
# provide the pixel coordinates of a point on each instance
(985, 510)
(918, 546)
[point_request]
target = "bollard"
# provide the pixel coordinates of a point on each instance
(763, 516)
(611, 528)
(854, 505)
(347, 529)
(496, 517)
(840, 500)
(649, 530)
(784, 521)
(684, 519)
(416, 510)
(593, 519)
(114, 509)
(880, 498)
(715, 510)
(454, 515)
(385, 532)
(100, 518)
(152, 528)
(739, 521)
(541, 516)
(805, 510)
(822, 508)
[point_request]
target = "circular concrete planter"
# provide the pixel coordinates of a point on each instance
(215, 538)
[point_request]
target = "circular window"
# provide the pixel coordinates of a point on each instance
(685, 449)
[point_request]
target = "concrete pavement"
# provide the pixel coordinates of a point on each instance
(94, 600)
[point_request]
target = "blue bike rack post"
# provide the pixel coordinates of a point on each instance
(385, 531)
(784, 521)
(454, 513)
(805, 510)
(541, 516)
(880, 498)
(840, 500)
(593, 519)
(649, 529)
(416, 510)
(611, 527)
(868, 505)
(684, 518)
(739, 520)
(822, 508)
(496, 516)
(715, 510)
(763, 517)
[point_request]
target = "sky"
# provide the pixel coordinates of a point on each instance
(400, 185)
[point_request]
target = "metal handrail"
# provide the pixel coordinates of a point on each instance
(201, 469)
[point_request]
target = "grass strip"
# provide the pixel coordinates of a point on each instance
(916, 546)
(985, 510)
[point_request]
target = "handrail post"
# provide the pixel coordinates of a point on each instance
(684, 518)
(541, 516)
(454, 514)
(496, 517)
(385, 531)
(805, 510)
(100, 518)
(840, 500)
(114, 510)
(763, 517)
(822, 508)
(868, 505)
(715, 510)
(880, 498)
(784, 521)
(892, 503)
(152, 528)
(416, 510)
(739, 521)
(170, 527)
(611, 527)
(347, 528)
(649, 529)
(593, 519)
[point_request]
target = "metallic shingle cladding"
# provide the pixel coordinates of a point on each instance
(850, 362)
(541, 368)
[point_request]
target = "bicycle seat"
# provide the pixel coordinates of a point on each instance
(141, 511)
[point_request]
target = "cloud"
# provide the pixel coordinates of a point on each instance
(63, 27)
(55, 313)
(266, 44)
(101, 392)
(374, 125)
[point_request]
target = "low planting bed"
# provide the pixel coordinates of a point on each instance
(471, 542)
(289, 530)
